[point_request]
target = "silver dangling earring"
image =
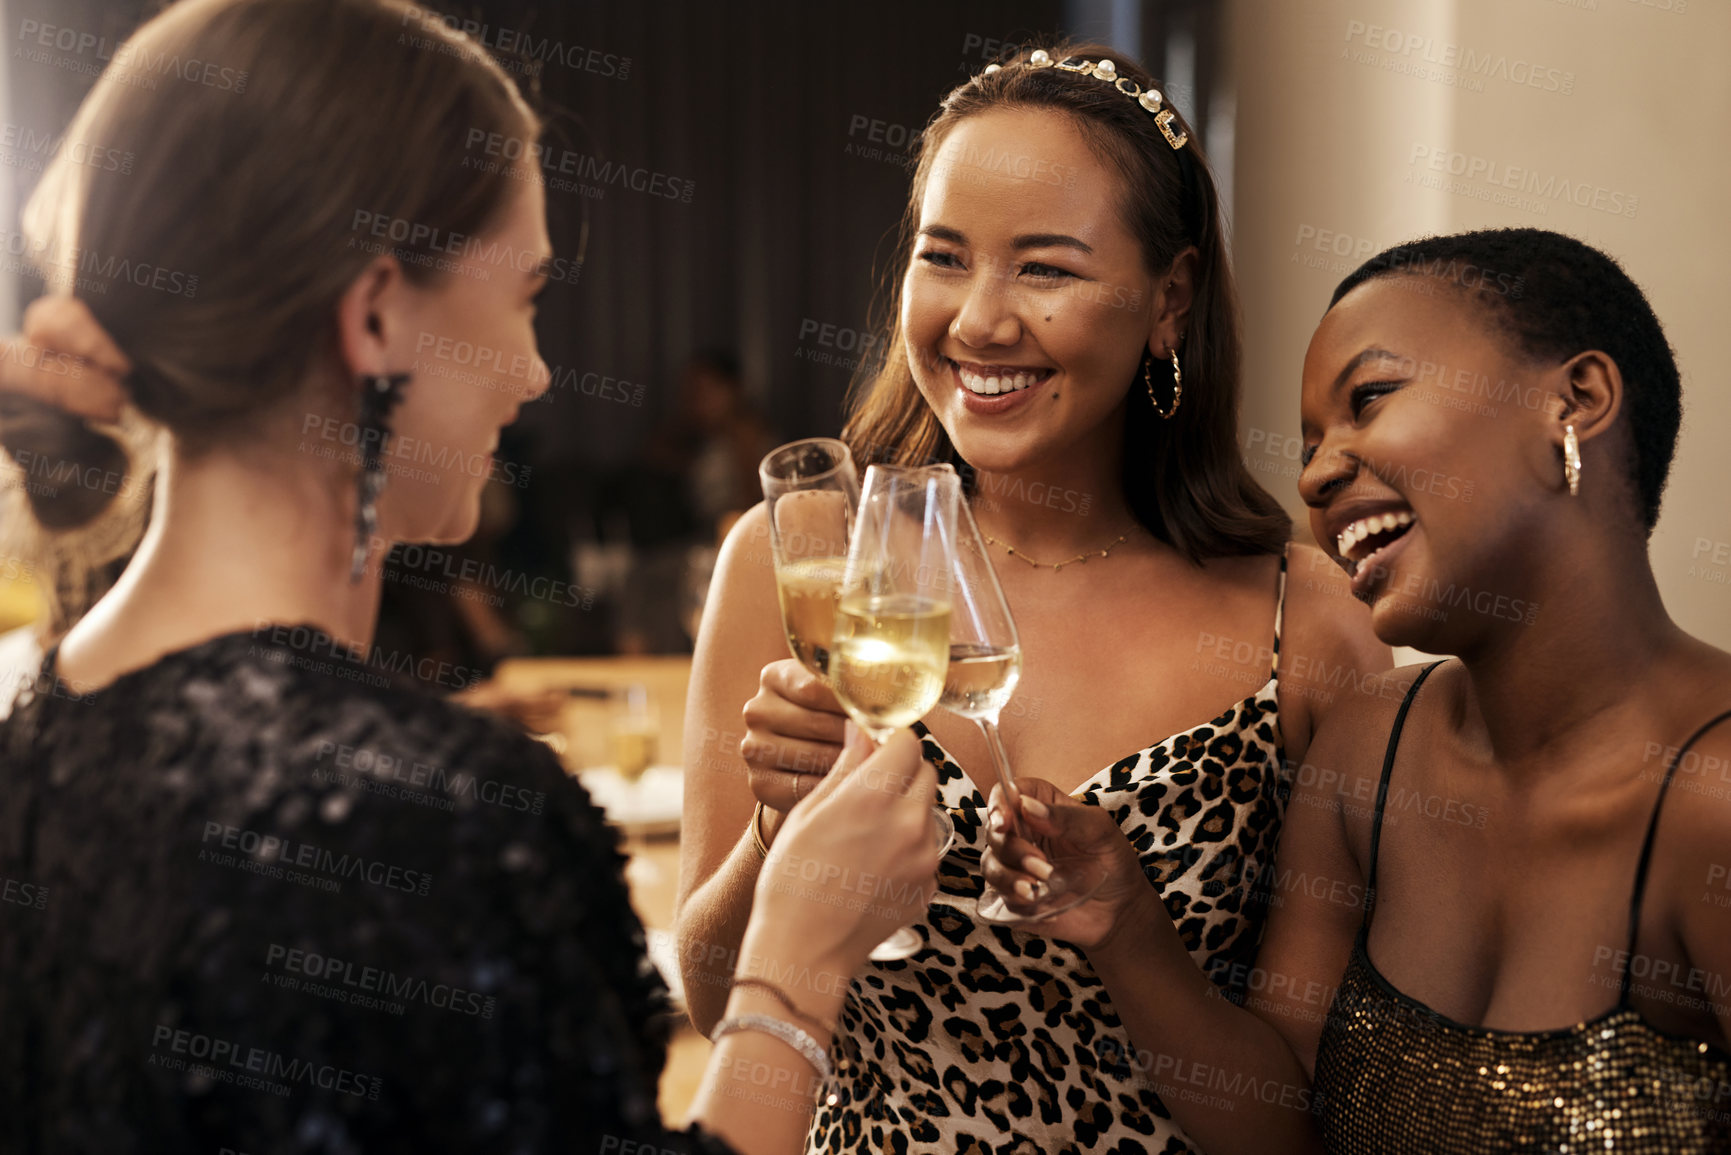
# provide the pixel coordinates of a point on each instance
(379, 395)
(1177, 385)
(1572, 460)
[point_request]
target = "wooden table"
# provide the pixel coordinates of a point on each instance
(653, 870)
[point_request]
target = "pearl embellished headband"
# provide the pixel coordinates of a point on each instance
(1108, 71)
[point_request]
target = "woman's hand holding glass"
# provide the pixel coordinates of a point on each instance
(854, 862)
(985, 665)
(794, 729)
(1079, 835)
(862, 579)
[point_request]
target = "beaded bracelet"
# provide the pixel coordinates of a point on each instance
(776, 1028)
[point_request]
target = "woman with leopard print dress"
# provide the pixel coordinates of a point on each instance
(1065, 331)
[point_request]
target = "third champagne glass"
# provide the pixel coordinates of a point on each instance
(810, 491)
(985, 664)
(892, 627)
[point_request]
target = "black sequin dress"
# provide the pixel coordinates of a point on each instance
(1395, 1076)
(258, 898)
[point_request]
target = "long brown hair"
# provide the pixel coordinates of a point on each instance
(251, 150)
(1184, 479)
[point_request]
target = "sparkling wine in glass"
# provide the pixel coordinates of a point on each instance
(891, 648)
(985, 665)
(810, 490)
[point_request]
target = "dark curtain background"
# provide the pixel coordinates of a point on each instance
(783, 128)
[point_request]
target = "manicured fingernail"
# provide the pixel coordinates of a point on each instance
(1038, 867)
(1035, 807)
(1025, 889)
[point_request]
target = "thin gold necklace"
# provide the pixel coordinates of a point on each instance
(1054, 566)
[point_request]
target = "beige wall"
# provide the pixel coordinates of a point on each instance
(1631, 103)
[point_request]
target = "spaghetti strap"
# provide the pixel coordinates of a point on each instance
(1382, 790)
(1279, 610)
(1640, 888)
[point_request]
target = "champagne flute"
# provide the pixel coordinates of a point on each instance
(634, 734)
(810, 491)
(985, 665)
(892, 626)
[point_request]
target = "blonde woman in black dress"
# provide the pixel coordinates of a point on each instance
(254, 895)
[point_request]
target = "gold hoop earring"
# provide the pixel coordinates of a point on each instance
(1177, 385)
(1572, 460)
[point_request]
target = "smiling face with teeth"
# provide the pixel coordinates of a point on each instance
(1364, 537)
(1380, 430)
(1026, 304)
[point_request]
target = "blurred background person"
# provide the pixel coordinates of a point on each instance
(697, 473)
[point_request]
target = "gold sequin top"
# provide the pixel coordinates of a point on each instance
(1394, 1076)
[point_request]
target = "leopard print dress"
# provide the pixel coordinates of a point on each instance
(994, 1042)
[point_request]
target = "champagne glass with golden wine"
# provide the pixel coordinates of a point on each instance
(810, 491)
(985, 665)
(891, 648)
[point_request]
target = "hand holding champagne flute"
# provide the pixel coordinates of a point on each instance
(985, 665)
(891, 651)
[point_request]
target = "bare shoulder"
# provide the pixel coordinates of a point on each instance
(1328, 654)
(1698, 756)
(1692, 850)
(742, 592)
(747, 548)
(1343, 766)
(1695, 828)
(1700, 792)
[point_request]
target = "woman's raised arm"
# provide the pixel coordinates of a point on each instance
(727, 772)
